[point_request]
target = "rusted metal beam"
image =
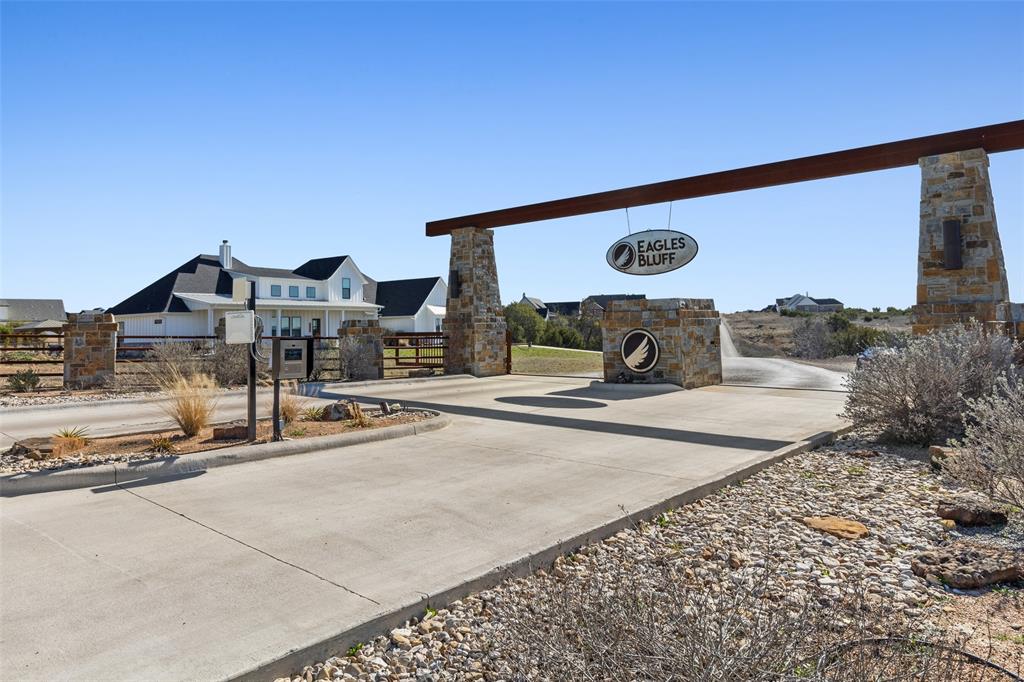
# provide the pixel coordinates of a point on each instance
(1001, 137)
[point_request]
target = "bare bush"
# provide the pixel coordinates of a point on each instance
(192, 401)
(356, 360)
(811, 339)
(173, 359)
(595, 627)
(227, 364)
(919, 394)
(991, 456)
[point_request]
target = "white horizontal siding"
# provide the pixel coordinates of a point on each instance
(174, 324)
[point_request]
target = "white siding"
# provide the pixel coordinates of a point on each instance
(399, 324)
(174, 324)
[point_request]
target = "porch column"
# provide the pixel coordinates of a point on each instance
(475, 320)
(960, 269)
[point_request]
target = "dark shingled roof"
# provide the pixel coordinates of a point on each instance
(201, 275)
(33, 309)
(404, 297)
(204, 275)
(827, 301)
(565, 308)
(320, 268)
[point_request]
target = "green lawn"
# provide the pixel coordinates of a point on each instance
(554, 361)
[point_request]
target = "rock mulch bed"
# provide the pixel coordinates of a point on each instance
(725, 538)
(44, 398)
(139, 447)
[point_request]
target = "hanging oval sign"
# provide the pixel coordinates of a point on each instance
(652, 252)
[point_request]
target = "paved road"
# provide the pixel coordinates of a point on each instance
(210, 576)
(106, 418)
(776, 372)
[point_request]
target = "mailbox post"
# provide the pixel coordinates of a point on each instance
(291, 359)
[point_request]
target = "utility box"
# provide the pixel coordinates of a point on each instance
(292, 358)
(239, 326)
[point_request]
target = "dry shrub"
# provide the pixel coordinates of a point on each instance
(290, 406)
(192, 401)
(358, 416)
(69, 440)
(356, 360)
(920, 393)
(227, 364)
(991, 455)
(600, 627)
(163, 445)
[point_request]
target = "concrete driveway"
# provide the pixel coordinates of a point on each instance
(223, 573)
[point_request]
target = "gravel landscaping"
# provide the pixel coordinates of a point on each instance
(766, 530)
(71, 397)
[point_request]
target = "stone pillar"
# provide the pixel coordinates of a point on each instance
(959, 276)
(474, 320)
(90, 348)
(689, 350)
(370, 333)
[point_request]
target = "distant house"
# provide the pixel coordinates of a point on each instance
(595, 304)
(806, 304)
(43, 316)
(312, 299)
(412, 305)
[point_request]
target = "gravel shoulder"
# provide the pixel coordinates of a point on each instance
(720, 541)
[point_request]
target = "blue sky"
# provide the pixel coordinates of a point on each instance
(137, 135)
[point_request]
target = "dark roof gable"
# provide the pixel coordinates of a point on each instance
(827, 301)
(201, 275)
(320, 268)
(404, 297)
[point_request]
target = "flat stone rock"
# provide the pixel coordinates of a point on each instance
(968, 567)
(968, 511)
(864, 454)
(33, 448)
(846, 529)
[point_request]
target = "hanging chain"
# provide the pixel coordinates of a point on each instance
(670, 215)
(628, 226)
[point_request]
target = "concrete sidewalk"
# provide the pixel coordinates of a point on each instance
(221, 574)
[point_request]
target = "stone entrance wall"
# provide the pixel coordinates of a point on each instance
(90, 349)
(961, 273)
(370, 333)
(688, 340)
(474, 320)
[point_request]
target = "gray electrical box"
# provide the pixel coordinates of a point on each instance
(292, 358)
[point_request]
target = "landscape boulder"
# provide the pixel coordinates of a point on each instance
(970, 511)
(34, 448)
(338, 412)
(234, 431)
(846, 529)
(968, 567)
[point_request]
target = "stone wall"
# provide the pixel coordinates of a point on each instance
(474, 320)
(370, 333)
(955, 187)
(689, 347)
(90, 348)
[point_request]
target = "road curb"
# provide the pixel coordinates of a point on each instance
(12, 485)
(287, 665)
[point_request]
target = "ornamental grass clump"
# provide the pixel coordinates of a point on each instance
(70, 439)
(290, 407)
(192, 400)
(920, 393)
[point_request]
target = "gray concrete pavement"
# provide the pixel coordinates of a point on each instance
(108, 418)
(210, 576)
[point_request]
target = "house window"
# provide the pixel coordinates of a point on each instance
(346, 287)
(310, 292)
(314, 326)
(293, 292)
(158, 321)
(275, 289)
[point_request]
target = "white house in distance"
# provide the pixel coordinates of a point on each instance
(313, 299)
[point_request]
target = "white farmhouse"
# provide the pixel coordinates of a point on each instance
(313, 299)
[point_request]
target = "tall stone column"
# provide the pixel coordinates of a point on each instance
(960, 269)
(474, 320)
(90, 348)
